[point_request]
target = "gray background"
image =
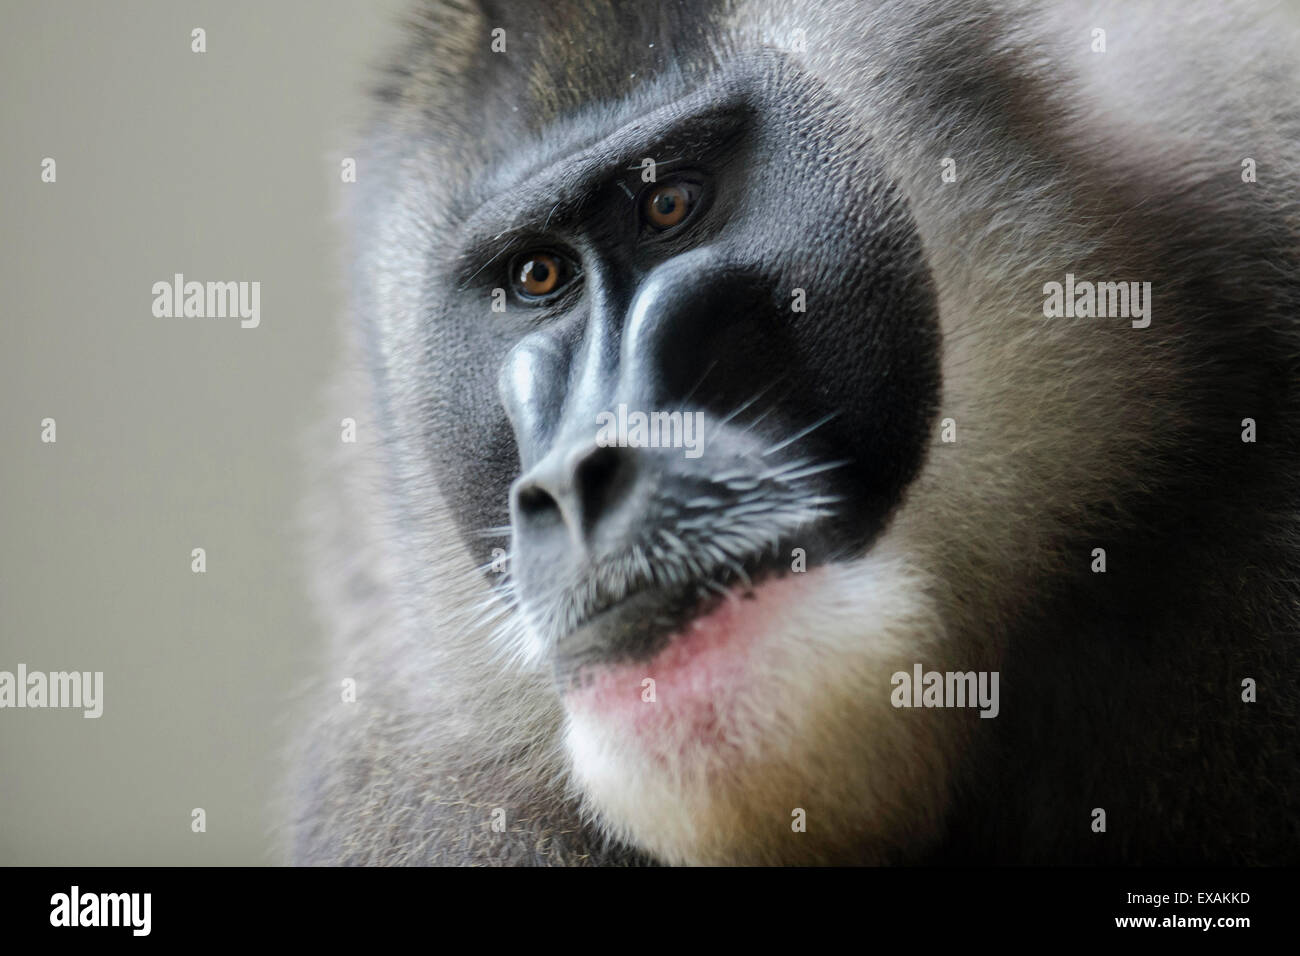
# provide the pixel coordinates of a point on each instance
(173, 433)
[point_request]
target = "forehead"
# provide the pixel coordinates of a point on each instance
(491, 73)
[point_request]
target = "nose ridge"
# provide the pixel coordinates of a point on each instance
(684, 301)
(576, 489)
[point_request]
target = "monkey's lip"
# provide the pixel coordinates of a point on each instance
(641, 624)
(699, 669)
(638, 627)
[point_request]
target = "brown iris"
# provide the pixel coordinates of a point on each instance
(667, 205)
(539, 274)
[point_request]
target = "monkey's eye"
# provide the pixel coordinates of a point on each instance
(539, 275)
(669, 203)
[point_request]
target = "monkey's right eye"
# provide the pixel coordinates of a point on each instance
(539, 275)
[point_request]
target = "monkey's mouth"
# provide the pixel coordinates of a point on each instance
(698, 667)
(637, 627)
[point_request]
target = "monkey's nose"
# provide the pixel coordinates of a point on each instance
(579, 491)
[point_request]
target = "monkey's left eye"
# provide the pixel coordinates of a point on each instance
(539, 275)
(670, 203)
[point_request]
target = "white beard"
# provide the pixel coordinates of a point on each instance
(807, 726)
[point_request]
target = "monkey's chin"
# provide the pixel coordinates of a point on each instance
(763, 731)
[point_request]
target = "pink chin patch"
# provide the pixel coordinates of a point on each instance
(696, 676)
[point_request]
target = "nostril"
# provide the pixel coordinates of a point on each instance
(534, 502)
(598, 479)
(577, 490)
(598, 468)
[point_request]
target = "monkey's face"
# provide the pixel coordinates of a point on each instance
(713, 374)
(685, 349)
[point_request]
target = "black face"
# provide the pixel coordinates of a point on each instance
(680, 297)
